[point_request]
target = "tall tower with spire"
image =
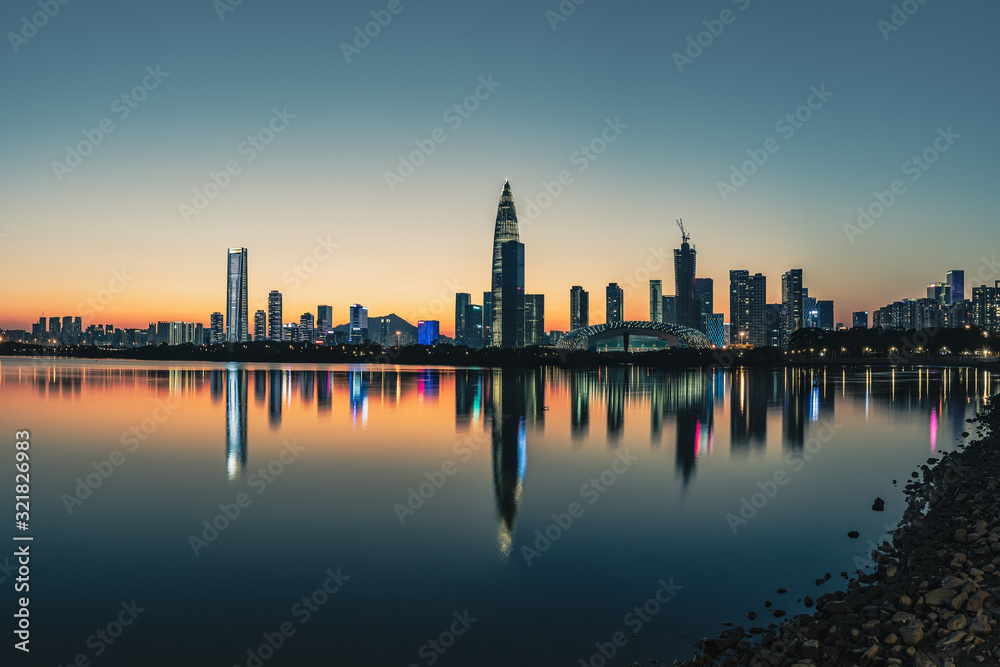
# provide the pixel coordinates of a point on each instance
(507, 285)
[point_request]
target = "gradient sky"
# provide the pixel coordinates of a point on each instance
(406, 251)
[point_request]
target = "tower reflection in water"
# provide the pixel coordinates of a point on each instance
(236, 421)
(510, 407)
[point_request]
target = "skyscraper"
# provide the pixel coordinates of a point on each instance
(462, 301)
(324, 320)
(510, 319)
(358, 331)
(825, 307)
(487, 319)
(307, 328)
(860, 319)
(939, 292)
(956, 279)
(656, 301)
(614, 309)
(237, 310)
(579, 308)
(791, 304)
(704, 294)
(216, 335)
(747, 307)
(534, 319)
(670, 309)
(504, 231)
(687, 309)
(428, 332)
(474, 325)
(260, 325)
(274, 330)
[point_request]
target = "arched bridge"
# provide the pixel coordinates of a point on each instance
(587, 338)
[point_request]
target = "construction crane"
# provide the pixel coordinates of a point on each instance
(684, 235)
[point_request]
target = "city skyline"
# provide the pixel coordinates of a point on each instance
(324, 129)
(531, 314)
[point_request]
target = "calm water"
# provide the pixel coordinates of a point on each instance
(423, 498)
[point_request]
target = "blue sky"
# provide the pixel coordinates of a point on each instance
(402, 249)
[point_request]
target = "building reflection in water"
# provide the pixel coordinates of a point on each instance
(579, 405)
(468, 398)
(236, 421)
(509, 411)
(274, 398)
(802, 398)
(358, 383)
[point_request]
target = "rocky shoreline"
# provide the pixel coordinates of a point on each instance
(931, 597)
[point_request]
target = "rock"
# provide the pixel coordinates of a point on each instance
(980, 626)
(938, 597)
(902, 617)
(808, 601)
(782, 591)
(878, 505)
(911, 634)
(921, 660)
(778, 613)
(810, 649)
(952, 639)
(853, 534)
(752, 615)
(977, 601)
(956, 622)
(958, 601)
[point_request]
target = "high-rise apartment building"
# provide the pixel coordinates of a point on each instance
(534, 319)
(462, 301)
(216, 332)
(579, 308)
(237, 310)
(615, 303)
(656, 301)
(791, 304)
(956, 278)
(274, 330)
(358, 330)
(260, 325)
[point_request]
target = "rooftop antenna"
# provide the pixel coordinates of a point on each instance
(685, 237)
